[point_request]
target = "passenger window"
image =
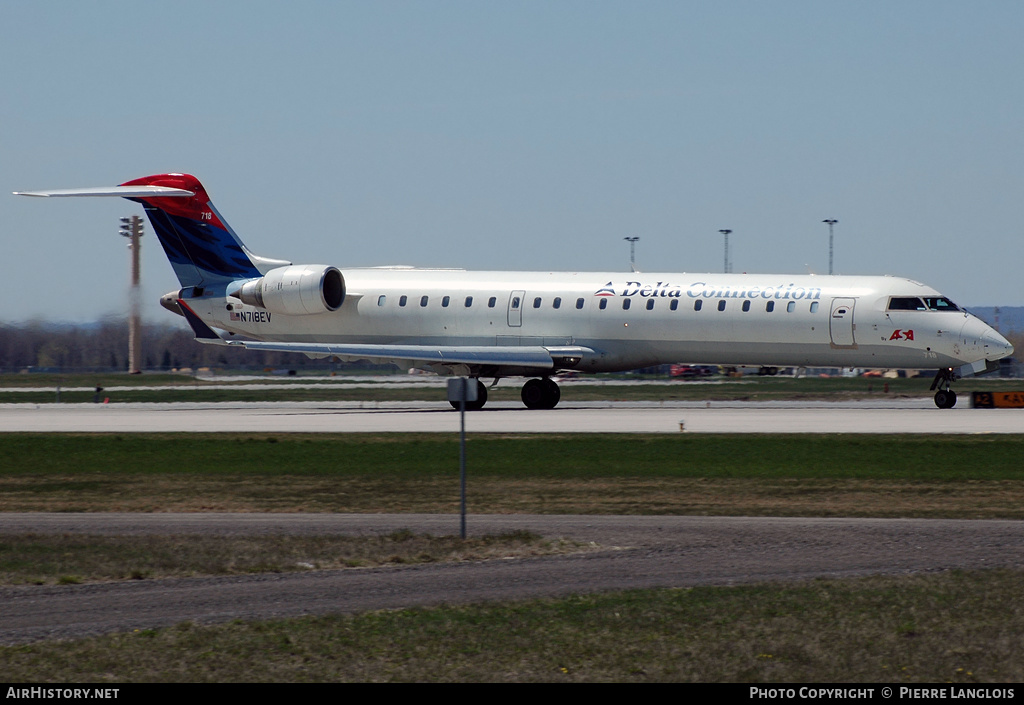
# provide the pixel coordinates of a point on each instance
(674, 305)
(469, 301)
(650, 304)
(746, 305)
(557, 303)
(814, 307)
(625, 304)
(604, 304)
(536, 302)
(423, 300)
(492, 301)
(515, 302)
(445, 301)
(790, 307)
(579, 303)
(770, 306)
(698, 304)
(721, 305)
(403, 300)
(381, 299)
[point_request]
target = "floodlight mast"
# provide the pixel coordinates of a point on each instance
(831, 222)
(726, 268)
(132, 228)
(632, 252)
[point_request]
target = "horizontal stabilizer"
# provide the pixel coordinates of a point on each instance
(119, 191)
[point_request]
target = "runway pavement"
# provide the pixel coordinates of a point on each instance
(901, 416)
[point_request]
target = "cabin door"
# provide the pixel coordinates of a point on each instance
(515, 308)
(840, 324)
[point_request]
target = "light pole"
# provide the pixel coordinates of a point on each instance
(831, 222)
(632, 252)
(726, 268)
(131, 228)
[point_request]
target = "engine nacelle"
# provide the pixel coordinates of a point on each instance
(296, 290)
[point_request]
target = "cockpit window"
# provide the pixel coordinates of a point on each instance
(906, 303)
(928, 303)
(940, 303)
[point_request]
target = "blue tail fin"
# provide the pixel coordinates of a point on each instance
(202, 248)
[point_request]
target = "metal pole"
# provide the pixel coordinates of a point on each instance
(831, 222)
(462, 457)
(726, 268)
(132, 229)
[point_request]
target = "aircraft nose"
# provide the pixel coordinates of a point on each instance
(996, 346)
(986, 340)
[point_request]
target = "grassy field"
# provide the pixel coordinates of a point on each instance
(694, 474)
(951, 627)
(47, 559)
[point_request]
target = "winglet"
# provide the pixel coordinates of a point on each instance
(204, 334)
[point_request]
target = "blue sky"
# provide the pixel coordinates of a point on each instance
(520, 135)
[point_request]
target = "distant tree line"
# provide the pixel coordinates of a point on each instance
(103, 347)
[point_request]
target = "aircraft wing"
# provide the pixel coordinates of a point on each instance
(503, 356)
(496, 355)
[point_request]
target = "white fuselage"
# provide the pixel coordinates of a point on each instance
(636, 320)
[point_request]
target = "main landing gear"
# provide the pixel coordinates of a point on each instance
(944, 398)
(539, 393)
(481, 399)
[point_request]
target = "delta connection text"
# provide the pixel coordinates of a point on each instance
(903, 692)
(699, 290)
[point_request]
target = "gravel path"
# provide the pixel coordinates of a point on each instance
(653, 551)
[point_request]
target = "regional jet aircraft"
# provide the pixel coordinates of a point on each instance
(537, 324)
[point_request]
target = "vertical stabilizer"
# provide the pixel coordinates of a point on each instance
(201, 247)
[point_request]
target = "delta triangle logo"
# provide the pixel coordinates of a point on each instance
(606, 290)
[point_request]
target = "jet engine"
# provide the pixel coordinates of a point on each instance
(296, 290)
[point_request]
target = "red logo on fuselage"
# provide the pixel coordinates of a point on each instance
(902, 335)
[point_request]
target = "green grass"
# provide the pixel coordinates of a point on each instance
(767, 475)
(94, 457)
(957, 628)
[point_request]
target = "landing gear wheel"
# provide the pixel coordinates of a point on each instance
(541, 394)
(481, 399)
(945, 398)
(553, 393)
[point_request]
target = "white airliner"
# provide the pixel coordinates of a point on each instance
(537, 324)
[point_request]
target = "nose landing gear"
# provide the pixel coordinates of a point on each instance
(944, 398)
